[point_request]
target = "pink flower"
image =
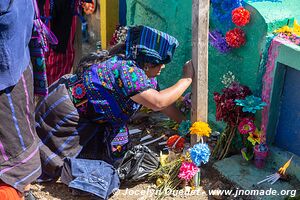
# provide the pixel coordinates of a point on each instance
(246, 126)
(188, 170)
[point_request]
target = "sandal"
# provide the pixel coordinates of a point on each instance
(28, 195)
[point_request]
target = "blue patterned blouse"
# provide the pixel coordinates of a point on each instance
(103, 91)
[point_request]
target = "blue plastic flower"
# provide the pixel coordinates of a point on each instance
(184, 128)
(229, 5)
(216, 2)
(200, 154)
(250, 104)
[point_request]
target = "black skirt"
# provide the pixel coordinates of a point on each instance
(19, 152)
(63, 132)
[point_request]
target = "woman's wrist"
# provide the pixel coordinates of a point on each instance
(187, 80)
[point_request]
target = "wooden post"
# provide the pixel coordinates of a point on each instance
(109, 11)
(200, 24)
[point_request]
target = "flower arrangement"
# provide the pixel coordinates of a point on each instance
(200, 129)
(228, 78)
(236, 106)
(246, 126)
(176, 143)
(187, 170)
(184, 104)
(240, 16)
(235, 38)
(226, 108)
(218, 41)
(291, 34)
(184, 128)
(200, 153)
(181, 169)
(229, 13)
(250, 104)
(119, 35)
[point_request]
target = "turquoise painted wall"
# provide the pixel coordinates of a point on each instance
(274, 12)
(171, 16)
(174, 17)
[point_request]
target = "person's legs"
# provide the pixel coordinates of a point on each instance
(19, 155)
(62, 132)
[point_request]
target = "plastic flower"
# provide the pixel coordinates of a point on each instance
(184, 128)
(187, 171)
(246, 126)
(201, 129)
(215, 1)
(235, 38)
(254, 137)
(285, 29)
(175, 142)
(200, 154)
(240, 16)
(229, 5)
(78, 91)
(250, 104)
(218, 41)
(187, 100)
(228, 78)
(226, 109)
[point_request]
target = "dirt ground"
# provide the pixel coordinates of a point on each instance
(154, 124)
(211, 179)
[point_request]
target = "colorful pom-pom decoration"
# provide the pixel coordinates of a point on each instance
(187, 171)
(235, 38)
(200, 153)
(175, 142)
(240, 16)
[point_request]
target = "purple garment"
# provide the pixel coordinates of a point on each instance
(16, 21)
(109, 86)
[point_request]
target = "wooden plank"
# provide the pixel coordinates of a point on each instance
(200, 24)
(109, 15)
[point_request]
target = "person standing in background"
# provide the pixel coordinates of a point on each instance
(19, 152)
(60, 16)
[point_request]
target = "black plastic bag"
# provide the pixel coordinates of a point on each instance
(137, 163)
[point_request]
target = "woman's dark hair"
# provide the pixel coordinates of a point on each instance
(101, 56)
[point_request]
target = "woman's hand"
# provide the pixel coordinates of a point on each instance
(188, 70)
(159, 100)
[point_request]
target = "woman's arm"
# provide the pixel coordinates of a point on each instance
(159, 100)
(173, 113)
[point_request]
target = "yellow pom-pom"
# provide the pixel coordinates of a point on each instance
(201, 129)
